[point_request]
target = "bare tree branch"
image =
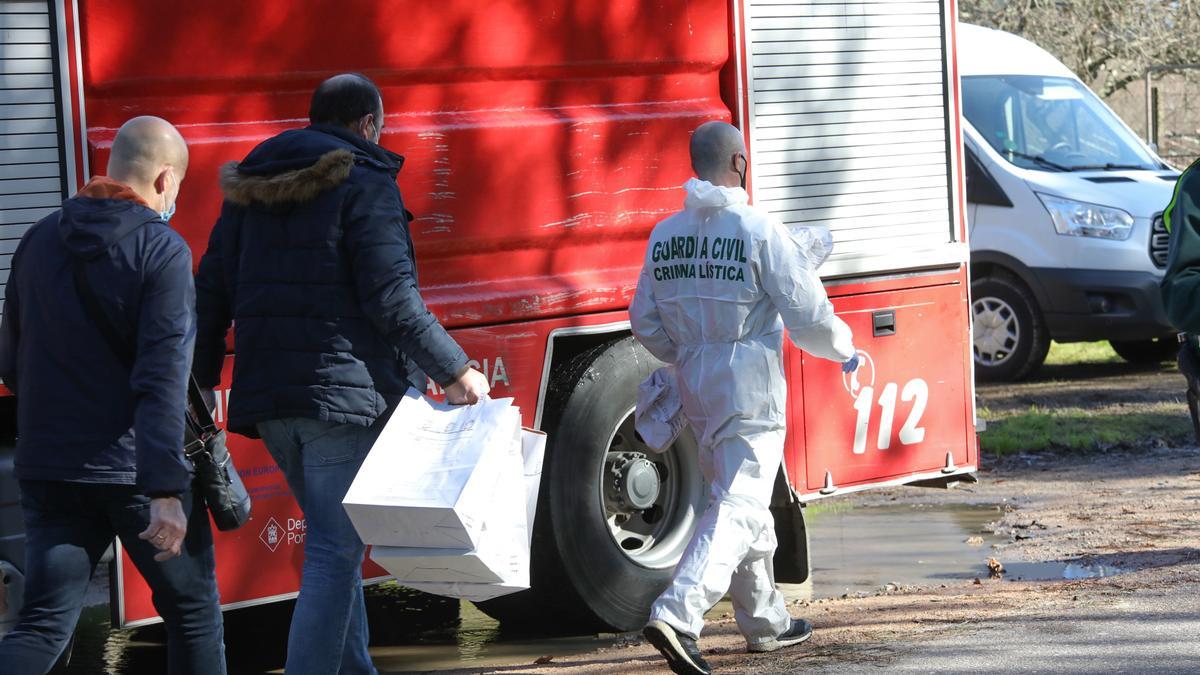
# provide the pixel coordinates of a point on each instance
(1108, 43)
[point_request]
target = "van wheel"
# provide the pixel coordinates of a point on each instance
(613, 517)
(1010, 337)
(1146, 352)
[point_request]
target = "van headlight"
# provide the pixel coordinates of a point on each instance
(1080, 219)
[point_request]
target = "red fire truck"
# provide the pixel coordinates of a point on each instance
(543, 141)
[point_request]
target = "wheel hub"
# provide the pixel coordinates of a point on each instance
(632, 483)
(650, 500)
(997, 331)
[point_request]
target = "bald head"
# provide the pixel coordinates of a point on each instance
(718, 153)
(144, 145)
(150, 156)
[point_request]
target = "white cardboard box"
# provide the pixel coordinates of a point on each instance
(500, 565)
(429, 479)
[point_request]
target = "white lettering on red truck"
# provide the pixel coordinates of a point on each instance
(916, 390)
(493, 370)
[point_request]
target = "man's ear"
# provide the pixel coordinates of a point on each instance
(365, 124)
(160, 181)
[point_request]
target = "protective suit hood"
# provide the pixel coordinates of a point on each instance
(703, 194)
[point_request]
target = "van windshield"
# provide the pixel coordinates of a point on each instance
(1050, 124)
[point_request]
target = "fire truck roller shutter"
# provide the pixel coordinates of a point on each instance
(849, 129)
(31, 183)
(614, 517)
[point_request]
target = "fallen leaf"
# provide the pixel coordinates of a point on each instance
(975, 541)
(995, 569)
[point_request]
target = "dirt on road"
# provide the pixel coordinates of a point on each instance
(1133, 516)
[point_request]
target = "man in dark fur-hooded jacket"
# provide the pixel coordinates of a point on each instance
(312, 262)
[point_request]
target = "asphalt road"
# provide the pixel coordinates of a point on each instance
(1150, 631)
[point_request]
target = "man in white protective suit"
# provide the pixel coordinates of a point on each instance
(721, 280)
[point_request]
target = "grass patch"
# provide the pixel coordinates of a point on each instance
(1081, 352)
(1077, 429)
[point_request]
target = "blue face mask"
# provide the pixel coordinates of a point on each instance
(166, 215)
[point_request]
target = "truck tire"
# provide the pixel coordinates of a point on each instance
(613, 518)
(1010, 336)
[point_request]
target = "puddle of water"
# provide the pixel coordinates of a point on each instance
(862, 549)
(477, 643)
(1058, 570)
(406, 636)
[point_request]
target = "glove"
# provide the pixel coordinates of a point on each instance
(850, 365)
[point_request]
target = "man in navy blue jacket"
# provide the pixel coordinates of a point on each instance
(312, 263)
(99, 441)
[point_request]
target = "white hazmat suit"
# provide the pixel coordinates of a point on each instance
(721, 280)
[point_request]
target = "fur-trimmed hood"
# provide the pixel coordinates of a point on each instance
(294, 186)
(296, 166)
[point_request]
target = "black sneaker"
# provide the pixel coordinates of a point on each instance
(800, 631)
(680, 651)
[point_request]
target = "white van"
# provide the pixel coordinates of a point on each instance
(1065, 209)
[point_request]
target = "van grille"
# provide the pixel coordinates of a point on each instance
(1159, 242)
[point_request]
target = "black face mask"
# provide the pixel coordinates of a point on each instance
(742, 174)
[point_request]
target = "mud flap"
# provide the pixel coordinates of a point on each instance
(791, 558)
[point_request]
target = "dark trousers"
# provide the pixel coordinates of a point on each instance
(68, 526)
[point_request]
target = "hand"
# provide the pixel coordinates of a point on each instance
(850, 365)
(167, 528)
(468, 388)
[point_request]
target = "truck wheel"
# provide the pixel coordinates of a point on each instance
(1146, 352)
(1010, 337)
(613, 517)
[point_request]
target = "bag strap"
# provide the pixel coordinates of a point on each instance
(199, 408)
(198, 415)
(91, 305)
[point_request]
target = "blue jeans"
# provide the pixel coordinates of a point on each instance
(68, 526)
(329, 631)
